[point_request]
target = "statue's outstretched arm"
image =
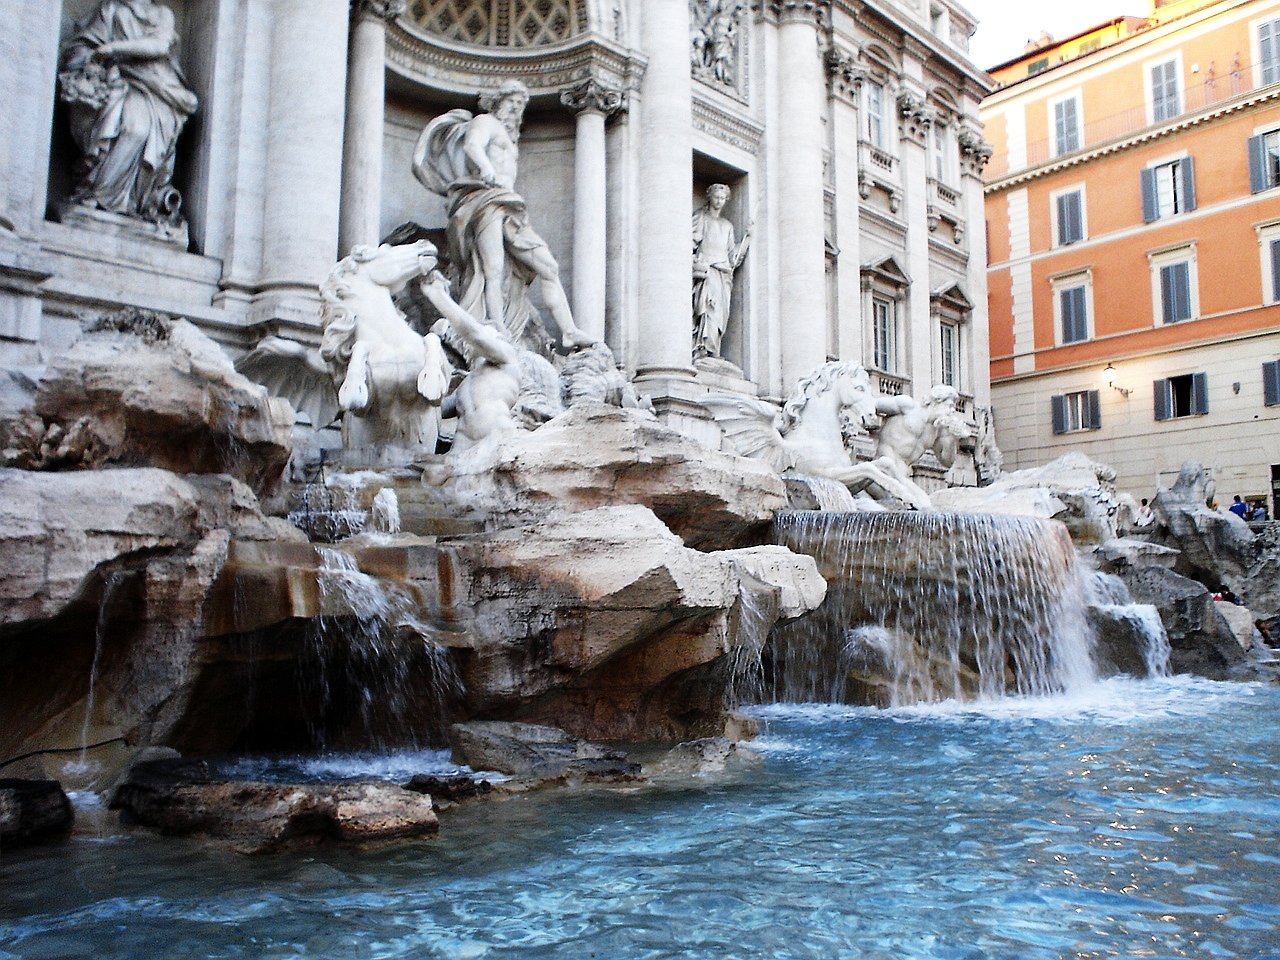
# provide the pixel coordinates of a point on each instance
(485, 340)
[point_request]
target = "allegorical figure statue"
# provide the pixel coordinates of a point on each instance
(128, 102)
(472, 161)
(716, 255)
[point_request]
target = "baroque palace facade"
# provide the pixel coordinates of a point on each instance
(846, 132)
(1133, 205)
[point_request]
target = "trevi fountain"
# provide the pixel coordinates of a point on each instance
(440, 634)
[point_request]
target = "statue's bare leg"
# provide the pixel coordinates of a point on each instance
(544, 266)
(493, 264)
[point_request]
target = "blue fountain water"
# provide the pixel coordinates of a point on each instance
(1135, 818)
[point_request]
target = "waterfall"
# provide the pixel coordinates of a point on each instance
(806, 491)
(110, 587)
(377, 666)
(923, 607)
(384, 516)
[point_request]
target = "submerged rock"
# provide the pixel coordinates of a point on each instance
(700, 758)
(32, 810)
(540, 752)
(180, 798)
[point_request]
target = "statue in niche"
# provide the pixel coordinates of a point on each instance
(714, 39)
(471, 160)
(716, 255)
(128, 102)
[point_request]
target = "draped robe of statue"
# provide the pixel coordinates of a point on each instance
(716, 256)
(127, 109)
(442, 167)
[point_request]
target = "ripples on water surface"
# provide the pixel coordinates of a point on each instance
(1141, 820)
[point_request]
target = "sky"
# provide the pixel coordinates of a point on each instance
(1004, 26)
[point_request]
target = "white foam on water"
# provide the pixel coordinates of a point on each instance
(395, 765)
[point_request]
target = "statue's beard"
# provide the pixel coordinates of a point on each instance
(512, 124)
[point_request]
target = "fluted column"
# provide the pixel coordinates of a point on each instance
(915, 120)
(366, 107)
(665, 348)
(303, 183)
(801, 216)
(592, 102)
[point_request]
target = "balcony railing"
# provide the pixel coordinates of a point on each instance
(1216, 88)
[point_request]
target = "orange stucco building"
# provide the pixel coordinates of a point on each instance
(1133, 217)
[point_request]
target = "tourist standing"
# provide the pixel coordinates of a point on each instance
(1238, 507)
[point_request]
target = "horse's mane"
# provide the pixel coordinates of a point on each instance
(337, 319)
(813, 385)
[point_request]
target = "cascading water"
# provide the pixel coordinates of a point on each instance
(923, 607)
(371, 646)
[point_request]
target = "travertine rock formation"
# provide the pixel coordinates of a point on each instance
(597, 455)
(143, 389)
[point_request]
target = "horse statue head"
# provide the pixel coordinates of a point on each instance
(836, 386)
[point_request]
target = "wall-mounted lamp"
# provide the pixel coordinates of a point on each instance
(1110, 374)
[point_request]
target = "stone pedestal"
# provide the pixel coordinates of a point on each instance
(118, 225)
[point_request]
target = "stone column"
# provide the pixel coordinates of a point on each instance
(914, 123)
(665, 348)
(303, 182)
(801, 217)
(366, 108)
(592, 102)
(974, 154)
(846, 77)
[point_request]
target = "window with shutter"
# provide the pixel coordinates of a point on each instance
(1271, 383)
(1164, 399)
(1264, 161)
(1075, 319)
(1199, 394)
(1070, 210)
(1269, 51)
(1182, 396)
(1274, 249)
(1066, 126)
(1164, 91)
(1076, 411)
(1175, 292)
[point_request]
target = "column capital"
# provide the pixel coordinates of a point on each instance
(593, 95)
(845, 73)
(385, 10)
(915, 115)
(816, 12)
(974, 151)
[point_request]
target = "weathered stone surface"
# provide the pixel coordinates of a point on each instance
(253, 816)
(1241, 621)
(598, 622)
(1131, 552)
(32, 810)
(113, 568)
(1074, 489)
(1121, 635)
(596, 456)
(533, 750)
(1217, 546)
(1201, 639)
(142, 389)
(800, 588)
(449, 789)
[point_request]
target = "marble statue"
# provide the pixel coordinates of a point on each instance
(808, 435)
(128, 101)
(386, 380)
(471, 160)
(484, 400)
(909, 429)
(714, 40)
(716, 255)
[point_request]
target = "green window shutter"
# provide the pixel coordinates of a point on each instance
(1058, 407)
(1094, 411)
(1271, 383)
(1164, 399)
(1199, 393)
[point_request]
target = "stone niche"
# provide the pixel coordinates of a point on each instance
(197, 23)
(737, 345)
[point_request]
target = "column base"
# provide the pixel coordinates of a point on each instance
(674, 392)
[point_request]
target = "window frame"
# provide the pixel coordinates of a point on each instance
(1255, 49)
(1179, 102)
(1075, 280)
(1052, 105)
(1055, 219)
(1075, 411)
(1182, 184)
(955, 379)
(1198, 397)
(880, 142)
(1263, 177)
(1162, 259)
(891, 341)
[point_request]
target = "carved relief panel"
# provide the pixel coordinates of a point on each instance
(717, 44)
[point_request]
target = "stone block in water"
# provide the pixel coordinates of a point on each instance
(32, 810)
